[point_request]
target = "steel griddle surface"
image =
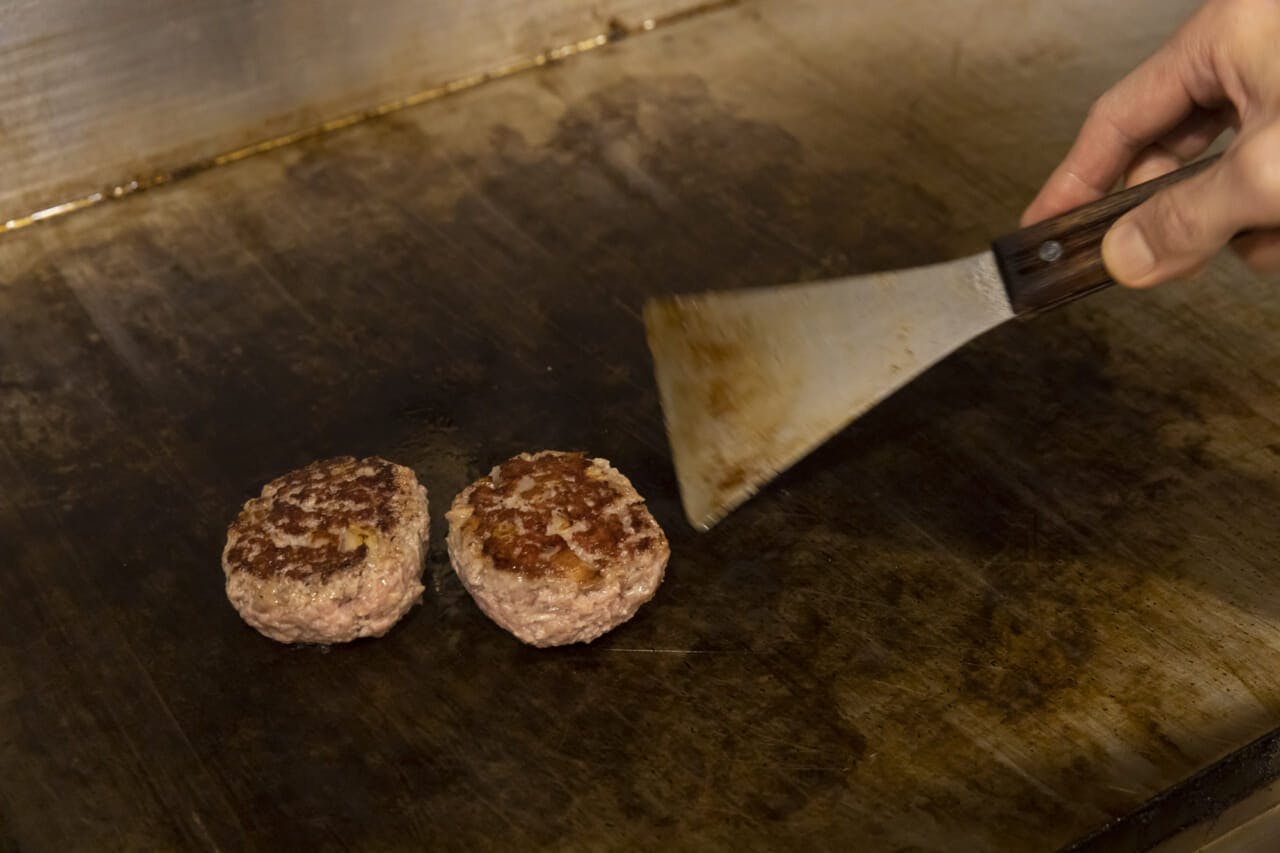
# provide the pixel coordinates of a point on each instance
(1024, 595)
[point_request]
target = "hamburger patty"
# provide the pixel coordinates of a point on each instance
(329, 552)
(555, 547)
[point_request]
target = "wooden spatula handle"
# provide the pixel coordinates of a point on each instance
(1060, 259)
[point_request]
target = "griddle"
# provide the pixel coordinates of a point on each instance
(1010, 606)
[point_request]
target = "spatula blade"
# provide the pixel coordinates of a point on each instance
(753, 380)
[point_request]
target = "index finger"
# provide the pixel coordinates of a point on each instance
(1139, 110)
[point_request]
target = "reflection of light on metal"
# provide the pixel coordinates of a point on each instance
(50, 212)
(451, 87)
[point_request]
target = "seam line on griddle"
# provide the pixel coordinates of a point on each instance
(616, 32)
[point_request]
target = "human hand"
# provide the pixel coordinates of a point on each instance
(1220, 71)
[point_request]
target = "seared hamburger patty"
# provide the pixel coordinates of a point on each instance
(555, 547)
(329, 552)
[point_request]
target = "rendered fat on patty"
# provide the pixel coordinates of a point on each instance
(556, 548)
(329, 552)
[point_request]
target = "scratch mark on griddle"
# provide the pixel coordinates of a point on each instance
(482, 197)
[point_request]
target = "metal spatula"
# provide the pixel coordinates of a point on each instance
(753, 380)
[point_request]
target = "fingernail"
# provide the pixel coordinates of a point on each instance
(1127, 254)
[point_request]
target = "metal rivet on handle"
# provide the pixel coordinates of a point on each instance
(1050, 251)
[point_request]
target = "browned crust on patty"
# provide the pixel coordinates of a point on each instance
(559, 515)
(313, 523)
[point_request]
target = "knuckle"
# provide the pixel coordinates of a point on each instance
(1107, 107)
(1176, 225)
(1249, 23)
(1103, 107)
(1232, 27)
(1258, 163)
(1261, 251)
(1107, 112)
(1265, 262)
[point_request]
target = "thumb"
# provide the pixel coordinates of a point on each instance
(1176, 231)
